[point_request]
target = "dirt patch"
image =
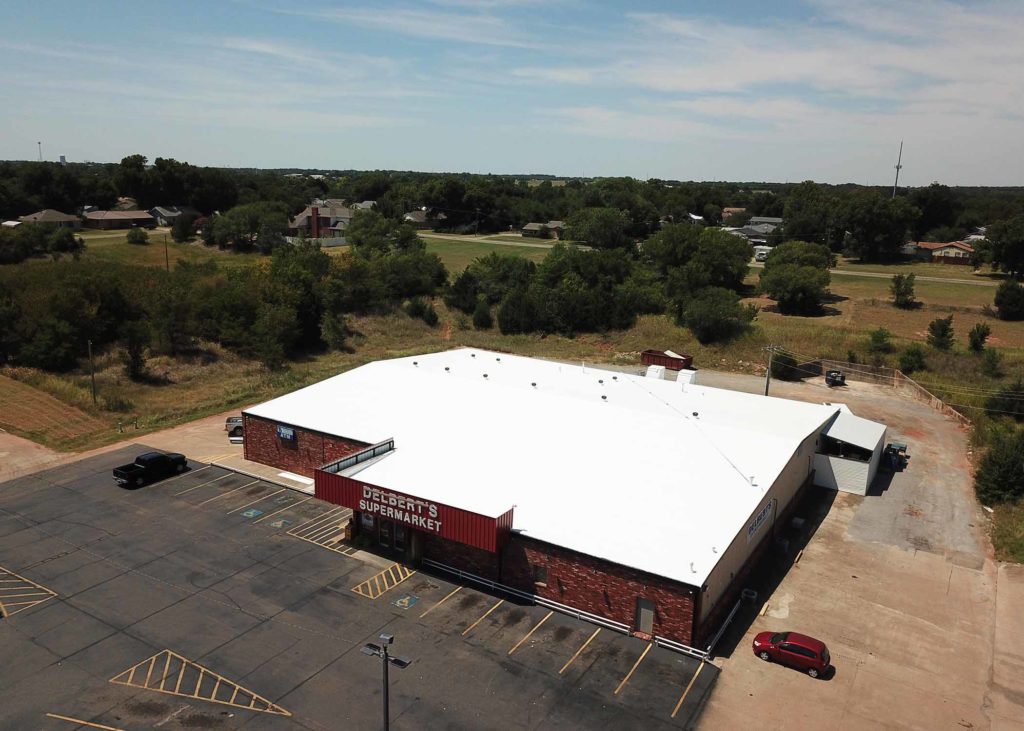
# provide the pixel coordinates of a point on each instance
(469, 601)
(202, 720)
(562, 634)
(514, 617)
(147, 708)
(913, 511)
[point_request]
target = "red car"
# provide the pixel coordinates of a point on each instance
(793, 649)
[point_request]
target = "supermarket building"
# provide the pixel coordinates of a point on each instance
(641, 501)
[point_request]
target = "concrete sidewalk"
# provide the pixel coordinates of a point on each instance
(1005, 699)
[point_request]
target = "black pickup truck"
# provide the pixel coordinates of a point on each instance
(150, 467)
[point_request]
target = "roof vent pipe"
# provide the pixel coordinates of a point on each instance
(534, 384)
(604, 398)
(695, 413)
(485, 375)
(415, 363)
(447, 369)
(692, 570)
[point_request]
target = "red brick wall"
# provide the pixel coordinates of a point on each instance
(579, 581)
(309, 450)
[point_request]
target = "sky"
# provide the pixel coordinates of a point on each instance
(738, 90)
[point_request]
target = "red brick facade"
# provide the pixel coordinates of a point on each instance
(309, 450)
(577, 580)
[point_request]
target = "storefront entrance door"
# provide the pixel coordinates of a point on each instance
(385, 533)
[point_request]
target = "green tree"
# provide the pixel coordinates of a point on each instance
(10, 317)
(809, 214)
(902, 289)
(183, 227)
(940, 333)
(600, 227)
(1006, 239)
(800, 253)
(785, 367)
(977, 336)
(464, 292)
(135, 336)
(798, 290)
(482, 319)
(939, 207)
(992, 363)
(880, 341)
(715, 313)
(63, 241)
(913, 359)
(1000, 475)
(876, 225)
(137, 236)
(517, 313)
(1009, 300)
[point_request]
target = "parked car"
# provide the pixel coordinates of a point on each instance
(793, 649)
(150, 467)
(234, 426)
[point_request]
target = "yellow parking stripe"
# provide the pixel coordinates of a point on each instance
(80, 722)
(452, 593)
(486, 614)
(382, 582)
(688, 686)
(633, 669)
(18, 593)
(579, 651)
(528, 634)
(175, 664)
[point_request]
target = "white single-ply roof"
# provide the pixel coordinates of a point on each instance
(853, 429)
(650, 474)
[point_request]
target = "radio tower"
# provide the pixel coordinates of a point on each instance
(899, 165)
(40, 145)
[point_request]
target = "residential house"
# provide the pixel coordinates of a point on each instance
(949, 252)
(322, 219)
(53, 218)
(10, 224)
(119, 219)
(726, 212)
(167, 215)
(771, 220)
(423, 219)
(549, 230)
(695, 219)
(364, 205)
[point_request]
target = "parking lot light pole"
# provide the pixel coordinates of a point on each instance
(381, 651)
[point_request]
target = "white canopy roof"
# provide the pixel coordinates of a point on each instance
(852, 429)
(650, 474)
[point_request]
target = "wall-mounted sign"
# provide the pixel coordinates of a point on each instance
(286, 433)
(410, 510)
(760, 519)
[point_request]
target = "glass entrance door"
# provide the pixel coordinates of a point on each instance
(386, 530)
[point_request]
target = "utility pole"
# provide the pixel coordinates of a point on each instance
(92, 372)
(899, 166)
(768, 374)
(167, 260)
(40, 145)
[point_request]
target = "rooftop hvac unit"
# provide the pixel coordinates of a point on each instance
(686, 375)
(656, 371)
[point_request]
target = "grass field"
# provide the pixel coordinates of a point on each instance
(1008, 532)
(923, 269)
(457, 255)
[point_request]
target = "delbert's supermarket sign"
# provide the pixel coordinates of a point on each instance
(412, 511)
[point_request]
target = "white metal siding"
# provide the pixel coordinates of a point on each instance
(836, 473)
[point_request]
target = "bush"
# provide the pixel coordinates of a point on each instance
(183, 228)
(715, 313)
(880, 341)
(799, 290)
(1008, 401)
(913, 359)
(902, 289)
(784, 367)
(137, 236)
(940, 333)
(1009, 300)
(419, 308)
(992, 363)
(977, 336)
(482, 319)
(1000, 475)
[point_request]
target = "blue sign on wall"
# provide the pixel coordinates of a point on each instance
(286, 433)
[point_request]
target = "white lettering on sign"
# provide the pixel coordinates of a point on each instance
(412, 511)
(759, 520)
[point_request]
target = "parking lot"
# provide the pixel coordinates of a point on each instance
(215, 600)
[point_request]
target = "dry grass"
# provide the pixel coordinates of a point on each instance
(457, 255)
(925, 269)
(1007, 532)
(29, 411)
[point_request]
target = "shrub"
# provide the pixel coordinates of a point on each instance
(977, 336)
(992, 363)
(1009, 300)
(940, 333)
(1000, 475)
(902, 289)
(183, 228)
(880, 341)
(419, 308)
(913, 359)
(784, 367)
(482, 319)
(1008, 401)
(715, 313)
(137, 236)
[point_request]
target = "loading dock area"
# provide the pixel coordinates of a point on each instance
(222, 601)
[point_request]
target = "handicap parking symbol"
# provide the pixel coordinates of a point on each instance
(280, 523)
(405, 601)
(252, 513)
(282, 500)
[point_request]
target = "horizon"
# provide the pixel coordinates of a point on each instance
(806, 90)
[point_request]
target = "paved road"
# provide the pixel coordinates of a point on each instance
(484, 240)
(884, 275)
